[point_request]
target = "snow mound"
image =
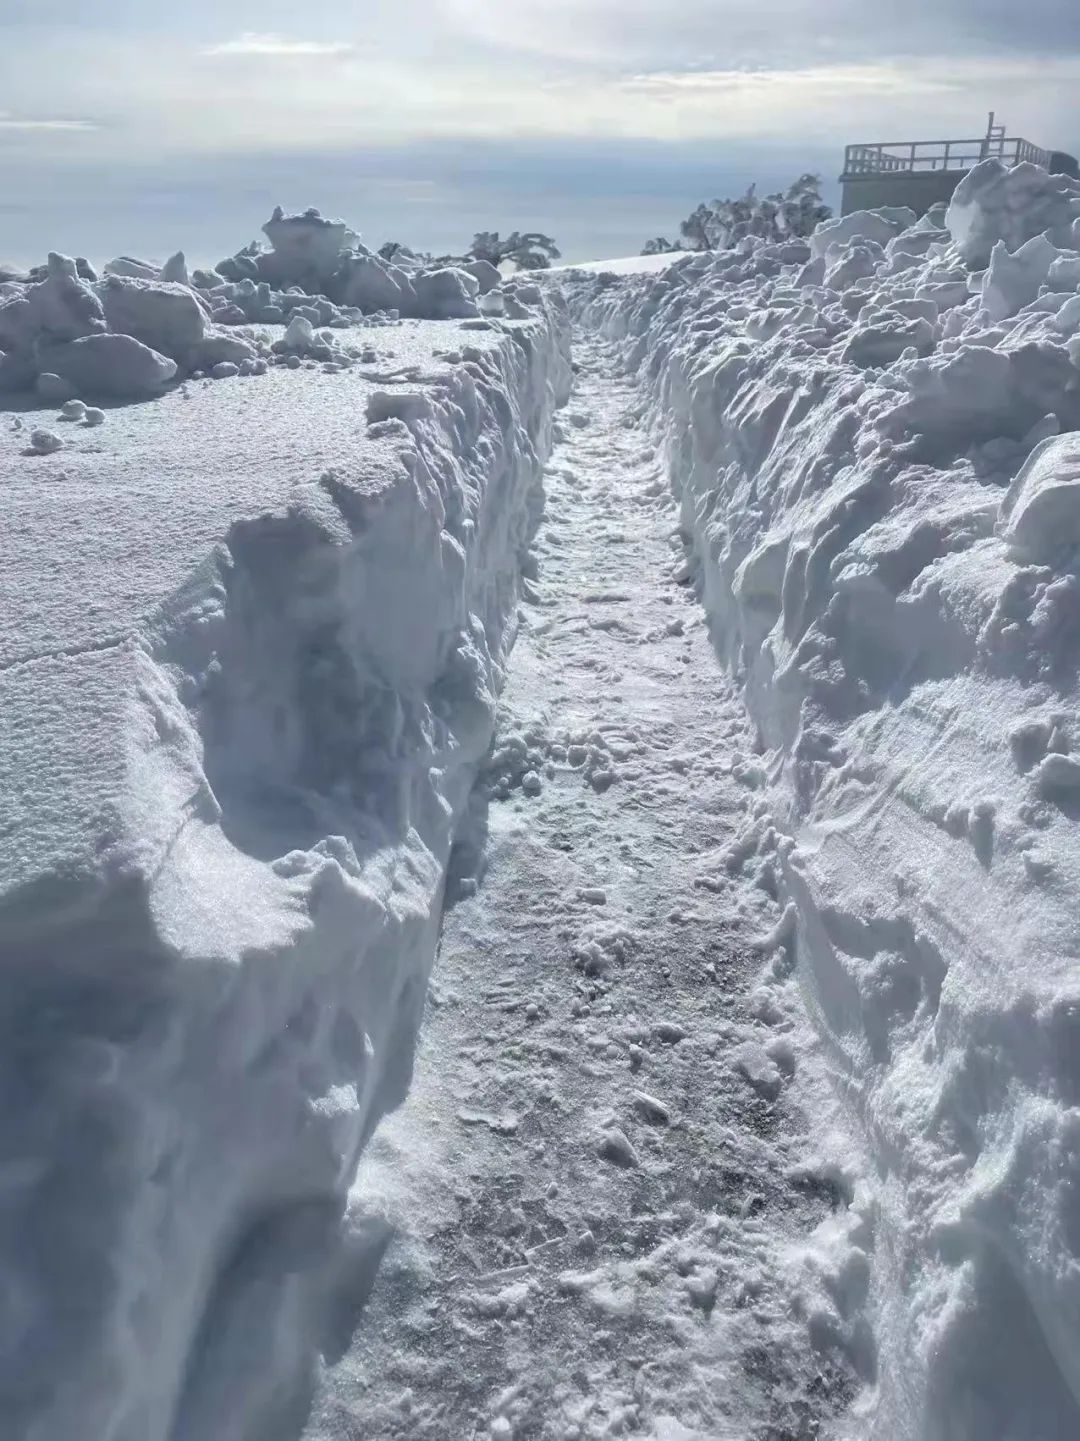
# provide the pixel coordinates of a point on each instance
(314, 270)
(249, 657)
(312, 256)
(876, 460)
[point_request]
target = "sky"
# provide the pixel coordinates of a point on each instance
(141, 127)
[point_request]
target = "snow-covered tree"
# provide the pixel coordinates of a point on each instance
(720, 224)
(529, 251)
(659, 246)
(694, 229)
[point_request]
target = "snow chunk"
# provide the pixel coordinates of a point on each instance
(168, 318)
(54, 388)
(484, 273)
(874, 225)
(1040, 515)
(446, 294)
(306, 249)
(614, 1146)
(175, 270)
(118, 366)
(299, 334)
(1014, 278)
(372, 284)
(44, 442)
(218, 346)
(60, 307)
(132, 269)
(1011, 204)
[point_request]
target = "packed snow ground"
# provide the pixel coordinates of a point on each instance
(252, 633)
(607, 1218)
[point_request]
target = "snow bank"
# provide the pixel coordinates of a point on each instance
(875, 449)
(250, 655)
(311, 255)
(63, 320)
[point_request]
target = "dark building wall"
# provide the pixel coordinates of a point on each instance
(919, 189)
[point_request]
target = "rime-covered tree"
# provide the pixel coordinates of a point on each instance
(529, 251)
(720, 224)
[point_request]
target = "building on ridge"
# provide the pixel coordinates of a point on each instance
(924, 173)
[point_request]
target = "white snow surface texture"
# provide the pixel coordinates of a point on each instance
(875, 440)
(252, 638)
(127, 335)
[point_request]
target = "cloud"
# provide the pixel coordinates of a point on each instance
(278, 46)
(11, 122)
(776, 33)
(709, 76)
(829, 80)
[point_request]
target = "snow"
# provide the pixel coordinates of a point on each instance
(1012, 204)
(129, 334)
(877, 226)
(749, 1088)
(625, 265)
(601, 1208)
(249, 654)
(1040, 513)
(877, 479)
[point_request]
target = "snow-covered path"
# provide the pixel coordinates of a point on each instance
(606, 1215)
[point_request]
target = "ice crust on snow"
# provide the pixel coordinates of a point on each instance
(249, 656)
(875, 453)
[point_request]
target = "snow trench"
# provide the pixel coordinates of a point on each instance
(875, 442)
(227, 836)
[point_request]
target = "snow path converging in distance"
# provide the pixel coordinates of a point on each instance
(604, 1213)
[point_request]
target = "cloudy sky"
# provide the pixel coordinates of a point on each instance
(142, 126)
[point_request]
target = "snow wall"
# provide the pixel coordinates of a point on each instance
(874, 440)
(222, 861)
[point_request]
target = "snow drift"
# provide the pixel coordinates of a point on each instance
(252, 637)
(875, 441)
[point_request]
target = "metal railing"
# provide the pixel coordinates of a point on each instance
(907, 156)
